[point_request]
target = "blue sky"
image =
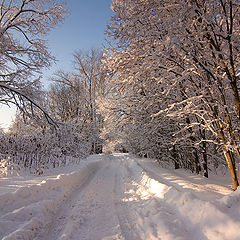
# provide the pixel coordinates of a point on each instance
(82, 29)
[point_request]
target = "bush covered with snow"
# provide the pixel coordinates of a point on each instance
(39, 150)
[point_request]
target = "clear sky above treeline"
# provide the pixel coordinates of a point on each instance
(82, 29)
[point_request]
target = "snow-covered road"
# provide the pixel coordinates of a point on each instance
(113, 203)
(119, 197)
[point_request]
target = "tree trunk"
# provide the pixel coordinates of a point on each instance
(196, 159)
(231, 165)
(228, 154)
(205, 166)
(174, 154)
(204, 145)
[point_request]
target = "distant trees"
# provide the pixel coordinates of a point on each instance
(72, 97)
(176, 65)
(37, 149)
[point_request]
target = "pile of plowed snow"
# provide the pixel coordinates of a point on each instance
(217, 219)
(29, 209)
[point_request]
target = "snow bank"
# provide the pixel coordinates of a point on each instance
(213, 220)
(29, 209)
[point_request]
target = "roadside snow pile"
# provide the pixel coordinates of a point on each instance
(231, 204)
(25, 212)
(216, 220)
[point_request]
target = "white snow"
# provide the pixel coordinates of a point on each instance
(119, 197)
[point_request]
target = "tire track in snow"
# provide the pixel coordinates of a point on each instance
(60, 220)
(127, 225)
(89, 214)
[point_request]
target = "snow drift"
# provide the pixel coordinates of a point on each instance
(30, 209)
(218, 219)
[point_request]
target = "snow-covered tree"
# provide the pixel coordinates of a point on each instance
(189, 52)
(24, 53)
(30, 146)
(72, 97)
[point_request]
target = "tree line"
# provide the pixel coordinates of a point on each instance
(174, 78)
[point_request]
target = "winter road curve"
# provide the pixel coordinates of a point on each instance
(113, 203)
(120, 197)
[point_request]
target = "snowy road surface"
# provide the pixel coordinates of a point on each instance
(119, 197)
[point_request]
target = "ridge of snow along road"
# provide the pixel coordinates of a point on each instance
(217, 219)
(29, 209)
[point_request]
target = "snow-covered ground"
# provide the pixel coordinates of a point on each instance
(118, 197)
